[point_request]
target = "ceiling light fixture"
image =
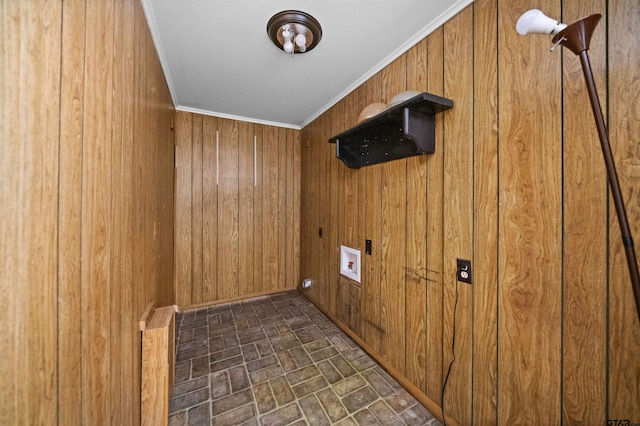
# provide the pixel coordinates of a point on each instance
(294, 31)
(577, 37)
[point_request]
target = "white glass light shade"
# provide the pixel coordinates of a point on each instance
(535, 22)
(301, 40)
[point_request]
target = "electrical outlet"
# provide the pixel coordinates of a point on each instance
(463, 271)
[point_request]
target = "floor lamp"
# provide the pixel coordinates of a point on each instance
(576, 37)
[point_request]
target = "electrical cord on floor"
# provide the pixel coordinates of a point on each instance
(453, 344)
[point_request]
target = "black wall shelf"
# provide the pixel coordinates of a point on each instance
(404, 130)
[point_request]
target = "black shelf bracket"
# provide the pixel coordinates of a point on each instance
(404, 130)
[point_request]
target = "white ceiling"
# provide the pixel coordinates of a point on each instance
(218, 59)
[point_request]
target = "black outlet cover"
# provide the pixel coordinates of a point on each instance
(463, 271)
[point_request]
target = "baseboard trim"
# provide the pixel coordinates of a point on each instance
(233, 299)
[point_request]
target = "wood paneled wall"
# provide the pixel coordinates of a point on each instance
(237, 209)
(547, 333)
(86, 208)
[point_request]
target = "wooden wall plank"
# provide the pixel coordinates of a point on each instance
(289, 280)
(349, 208)
(320, 225)
(258, 224)
(370, 301)
(161, 143)
(354, 309)
(624, 125)
(309, 190)
(309, 222)
(416, 257)
(143, 217)
(228, 256)
(344, 300)
(458, 211)
(349, 181)
(529, 296)
(116, 221)
(297, 172)
(139, 156)
(69, 223)
(164, 194)
(393, 244)
(245, 204)
(270, 204)
(332, 220)
(12, 163)
(435, 219)
(131, 351)
(280, 177)
(305, 200)
(485, 213)
(307, 193)
(96, 181)
(39, 225)
(323, 159)
(137, 273)
(196, 209)
(209, 209)
(362, 219)
(183, 227)
(585, 211)
(339, 203)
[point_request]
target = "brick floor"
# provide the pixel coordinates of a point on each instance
(277, 360)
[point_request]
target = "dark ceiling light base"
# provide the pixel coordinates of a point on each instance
(297, 24)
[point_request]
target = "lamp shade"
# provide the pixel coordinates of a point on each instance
(403, 96)
(371, 110)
